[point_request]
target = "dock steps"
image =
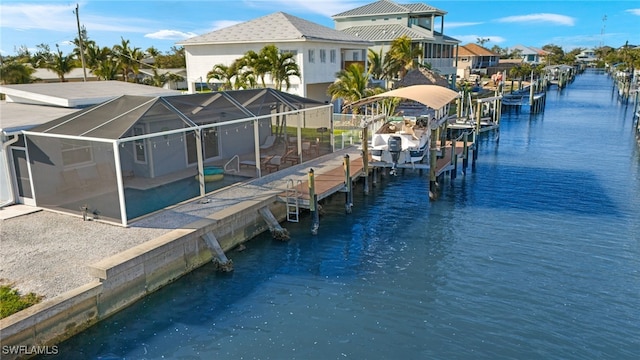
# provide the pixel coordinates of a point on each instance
(291, 198)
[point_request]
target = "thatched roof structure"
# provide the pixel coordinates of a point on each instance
(421, 76)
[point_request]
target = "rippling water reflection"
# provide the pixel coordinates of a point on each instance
(535, 255)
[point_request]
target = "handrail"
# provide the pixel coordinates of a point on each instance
(237, 169)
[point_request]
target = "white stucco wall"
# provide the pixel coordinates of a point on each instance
(201, 59)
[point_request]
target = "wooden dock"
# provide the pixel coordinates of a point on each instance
(326, 183)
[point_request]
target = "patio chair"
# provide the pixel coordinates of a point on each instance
(268, 142)
(273, 163)
(291, 156)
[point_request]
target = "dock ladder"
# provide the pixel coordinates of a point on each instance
(293, 208)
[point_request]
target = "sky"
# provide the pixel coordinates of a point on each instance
(569, 24)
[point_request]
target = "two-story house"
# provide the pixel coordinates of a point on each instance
(320, 52)
(529, 54)
(383, 21)
(475, 59)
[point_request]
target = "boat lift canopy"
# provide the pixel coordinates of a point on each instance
(433, 96)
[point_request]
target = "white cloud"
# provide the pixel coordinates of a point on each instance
(634, 11)
(453, 25)
(61, 18)
(539, 18)
(170, 35)
(36, 16)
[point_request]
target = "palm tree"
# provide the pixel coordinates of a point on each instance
(14, 72)
(376, 69)
(130, 58)
(282, 66)
(258, 63)
(350, 85)
(224, 74)
(61, 64)
(107, 69)
(405, 54)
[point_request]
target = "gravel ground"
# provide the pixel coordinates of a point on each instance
(48, 253)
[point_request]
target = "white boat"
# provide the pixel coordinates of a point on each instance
(402, 140)
(407, 140)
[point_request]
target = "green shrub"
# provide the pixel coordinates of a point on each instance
(11, 301)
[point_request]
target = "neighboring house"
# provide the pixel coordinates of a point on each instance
(587, 56)
(146, 74)
(29, 105)
(320, 52)
(474, 59)
(49, 76)
(383, 21)
(530, 54)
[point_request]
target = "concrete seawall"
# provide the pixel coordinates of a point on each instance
(127, 277)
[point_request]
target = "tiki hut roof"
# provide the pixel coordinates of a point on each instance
(422, 76)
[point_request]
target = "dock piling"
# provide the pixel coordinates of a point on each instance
(220, 258)
(348, 204)
(313, 204)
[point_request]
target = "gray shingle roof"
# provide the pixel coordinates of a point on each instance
(384, 7)
(275, 27)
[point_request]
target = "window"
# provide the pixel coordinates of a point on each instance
(140, 148)
(323, 55)
(355, 55)
(332, 56)
(76, 152)
(312, 55)
(294, 52)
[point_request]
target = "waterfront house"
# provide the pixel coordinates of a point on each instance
(320, 52)
(131, 155)
(29, 105)
(475, 59)
(383, 21)
(530, 54)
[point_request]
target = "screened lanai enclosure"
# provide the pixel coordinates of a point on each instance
(134, 155)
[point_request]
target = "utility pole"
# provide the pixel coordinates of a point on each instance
(84, 68)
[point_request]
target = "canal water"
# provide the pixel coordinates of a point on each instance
(535, 255)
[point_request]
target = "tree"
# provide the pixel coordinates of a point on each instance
(376, 69)
(61, 64)
(282, 66)
(15, 72)
(258, 63)
(405, 54)
(350, 85)
(556, 54)
(223, 74)
(174, 59)
(481, 41)
(130, 58)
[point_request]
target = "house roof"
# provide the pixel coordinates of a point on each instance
(387, 7)
(474, 50)
(15, 117)
(77, 94)
(50, 75)
(422, 76)
(276, 27)
(390, 32)
(113, 119)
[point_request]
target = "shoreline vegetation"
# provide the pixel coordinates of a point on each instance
(11, 301)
